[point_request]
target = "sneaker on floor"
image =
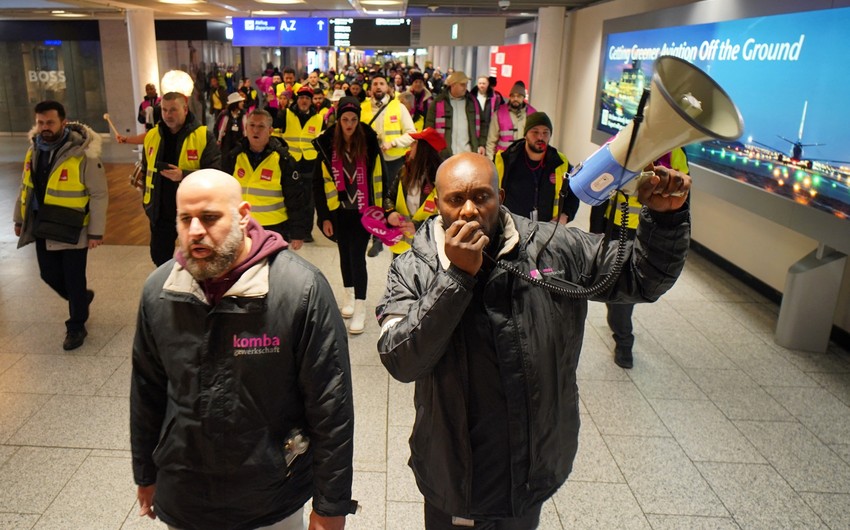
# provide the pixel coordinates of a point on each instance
(375, 249)
(74, 339)
(623, 357)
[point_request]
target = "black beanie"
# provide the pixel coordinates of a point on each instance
(348, 104)
(535, 119)
(518, 88)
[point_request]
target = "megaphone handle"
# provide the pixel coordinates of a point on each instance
(637, 120)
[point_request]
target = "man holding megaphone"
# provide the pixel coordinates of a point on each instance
(468, 316)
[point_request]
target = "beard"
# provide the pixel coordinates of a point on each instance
(516, 105)
(222, 257)
(537, 147)
(49, 136)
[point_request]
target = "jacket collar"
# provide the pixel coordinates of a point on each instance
(254, 283)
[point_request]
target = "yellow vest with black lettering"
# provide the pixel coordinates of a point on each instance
(299, 139)
(427, 209)
(392, 124)
(189, 159)
(65, 186)
(261, 187)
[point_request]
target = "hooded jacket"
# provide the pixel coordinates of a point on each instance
(217, 391)
(537, 336)
(81, 141)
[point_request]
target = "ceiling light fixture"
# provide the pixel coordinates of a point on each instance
(180, 2)
(281, 2)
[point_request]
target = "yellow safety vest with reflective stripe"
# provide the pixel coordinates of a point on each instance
(299, 139)
(392, 124)
(64, 186)
(332, 194)
(261, 188)
(419, 123)
(678, 161)
(189, 159)
(427, 209)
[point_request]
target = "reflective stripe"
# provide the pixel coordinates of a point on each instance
(634, 211)
(189, 159)
(64, 185)
(261, 187)
(66, 193)
(300, 138)
(273, 207)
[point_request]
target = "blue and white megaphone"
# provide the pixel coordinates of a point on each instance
(692, 108)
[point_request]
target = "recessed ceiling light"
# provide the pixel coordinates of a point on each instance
(268, 13)
(180, 2)
(282, 2)
(380, 2)
(68, 15)
(193, 13)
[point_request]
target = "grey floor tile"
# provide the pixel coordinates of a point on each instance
(704, 433)
(618, 408)
(370, 432)
(16, 409)
(118, 384)
(100, 490)
(549, 519)
(737, 395)
(803, 460)
(8, 359)
(663, 479)
(78, 421)
(6, 452)
(405, 516)
(17, 521)
(34, 476)
(756, 317)
(827, 362)
(842, 450)
(121, 342)
(657, 375)
(593, 462)
(660, 316)
(597, 359)
(835, 383)
(58, 374)
(765, 365)
(807, 402)
(599, 505)
(370, 490)
(758, 497)
(401, 484)
(678, 522)
(831, 507)
(691, 349)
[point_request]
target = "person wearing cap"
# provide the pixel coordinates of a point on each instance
(414, 189)
(176, 147)
(230, 125)
(456, 115)
(270, 182)
(422, 96)
(302, 125)
(352, 180)
(508, 124)
(532, 173)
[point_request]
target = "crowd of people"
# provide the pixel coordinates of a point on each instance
(241, 404)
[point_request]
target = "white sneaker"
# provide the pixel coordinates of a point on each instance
(358, 319)
(347, 308)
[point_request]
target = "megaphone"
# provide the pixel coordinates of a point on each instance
(692, 107)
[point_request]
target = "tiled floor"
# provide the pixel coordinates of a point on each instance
(715, 427)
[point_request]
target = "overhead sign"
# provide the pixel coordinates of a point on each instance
(378, 32)
(272, 32)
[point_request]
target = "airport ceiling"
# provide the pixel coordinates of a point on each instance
(220, 9)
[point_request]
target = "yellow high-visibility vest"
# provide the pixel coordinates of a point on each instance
(262, 188)
(427, 209)
(392, 124)
(299, 139)
(64, 185)
(189, 159)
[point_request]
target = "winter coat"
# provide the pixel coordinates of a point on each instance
(537, 335)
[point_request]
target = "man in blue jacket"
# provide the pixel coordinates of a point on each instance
(493, 356)
(240, 406)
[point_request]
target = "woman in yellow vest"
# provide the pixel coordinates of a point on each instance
(352, 174)
(607, 219)
(411, 198)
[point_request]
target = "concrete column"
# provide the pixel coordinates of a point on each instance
(547, 82)
(120, 102)
(144, 66)
(482, 66)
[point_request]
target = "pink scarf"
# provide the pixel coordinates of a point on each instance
(359, 175)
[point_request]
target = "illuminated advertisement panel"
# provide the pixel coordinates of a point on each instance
(781, 72)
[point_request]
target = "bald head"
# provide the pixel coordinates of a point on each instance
(214, 184)
(468, 190)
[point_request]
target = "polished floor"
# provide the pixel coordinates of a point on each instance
(716, 427)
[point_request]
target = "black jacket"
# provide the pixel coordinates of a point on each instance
(216, 392)
(538, 338)
(294, 194)
(324, 147)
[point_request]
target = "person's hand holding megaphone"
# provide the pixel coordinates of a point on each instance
(666, 190)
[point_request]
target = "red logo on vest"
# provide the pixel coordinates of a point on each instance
(240, 172)
(429, 206)
(150, 150)
(311, 129)
(29, 166)
(393, 119)
(266, 174)
(63, 175)
(552, 178)
(191, 154)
